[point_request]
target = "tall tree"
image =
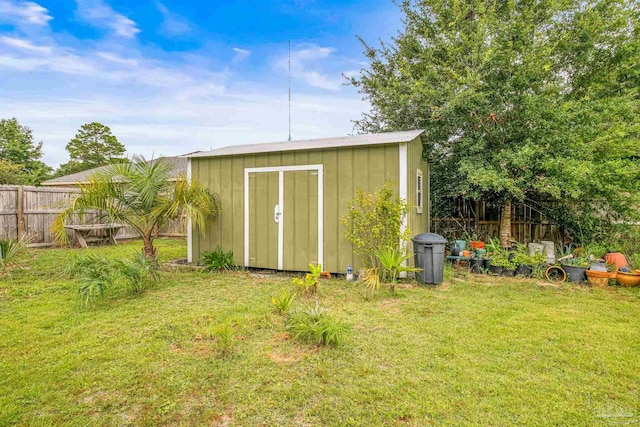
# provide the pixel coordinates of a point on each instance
(94, 145)
(520, 99)
(18, 148)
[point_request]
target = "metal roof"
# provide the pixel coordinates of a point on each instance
(179, 164)
(313, 144)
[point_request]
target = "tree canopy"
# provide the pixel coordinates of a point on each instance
(94, 145)
(20, 155)
(521, 99)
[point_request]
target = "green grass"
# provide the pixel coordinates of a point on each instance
(474, 351)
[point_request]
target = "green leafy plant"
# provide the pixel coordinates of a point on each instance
(10, 250)
(282, 304)
(392, 261)
(138, 271)
(98, 273)
(374, 221)
(521, 256)
(218, 259)
(224, 335)
(309, 285)
(312, 325)
(93, 283)
(634, 261)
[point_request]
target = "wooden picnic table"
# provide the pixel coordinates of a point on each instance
(81, 233)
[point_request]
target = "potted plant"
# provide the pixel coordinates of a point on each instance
(576, 267)
(508, 267)
(630, 278)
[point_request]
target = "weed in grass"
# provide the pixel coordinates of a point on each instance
(312, 325)
(224, 334)
(282, 304)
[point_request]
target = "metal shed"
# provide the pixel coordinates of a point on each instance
(282, 202)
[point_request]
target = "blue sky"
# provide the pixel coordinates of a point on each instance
(171, 77)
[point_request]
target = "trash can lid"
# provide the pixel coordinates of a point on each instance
(428, 238)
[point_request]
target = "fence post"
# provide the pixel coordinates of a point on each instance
(20, 212)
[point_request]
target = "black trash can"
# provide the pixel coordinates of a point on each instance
(429, 249)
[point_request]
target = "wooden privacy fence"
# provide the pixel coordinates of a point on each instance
(482, 221)
(30, 211)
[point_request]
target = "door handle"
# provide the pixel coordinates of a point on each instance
(276, 213)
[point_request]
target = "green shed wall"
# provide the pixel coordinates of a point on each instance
(345, 170)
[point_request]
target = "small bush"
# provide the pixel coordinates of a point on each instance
(374, 221)
(282, 304)
(218, 260)
(311, 325)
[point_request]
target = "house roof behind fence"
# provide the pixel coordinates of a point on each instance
(179, 164)
(313, 144)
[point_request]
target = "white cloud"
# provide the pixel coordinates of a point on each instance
(107, 66)
(24, 44)
(23, 12)
(173, 24)
(306, 64)
(241, 54)
(163, 125)
(101, 15)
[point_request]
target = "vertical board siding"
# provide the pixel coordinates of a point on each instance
(345, 170)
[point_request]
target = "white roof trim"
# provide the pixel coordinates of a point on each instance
(313, 144)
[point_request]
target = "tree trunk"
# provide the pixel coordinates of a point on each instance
(149, 250)
(505, 225)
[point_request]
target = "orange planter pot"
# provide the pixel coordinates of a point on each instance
(630, 280)
(598, 279)
(616, 258)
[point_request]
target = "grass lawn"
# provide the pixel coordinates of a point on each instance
(475, 351)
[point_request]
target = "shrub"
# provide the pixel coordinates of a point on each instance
(9, 252)
(311, 325)
(282, 304)
(374, 222)
(218, 259)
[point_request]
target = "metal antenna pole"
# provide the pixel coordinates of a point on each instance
(289, 90)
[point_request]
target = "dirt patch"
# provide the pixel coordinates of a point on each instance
(284, 358)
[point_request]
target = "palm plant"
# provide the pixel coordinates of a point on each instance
(140, 194)
(9, 252)
(392, 261)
